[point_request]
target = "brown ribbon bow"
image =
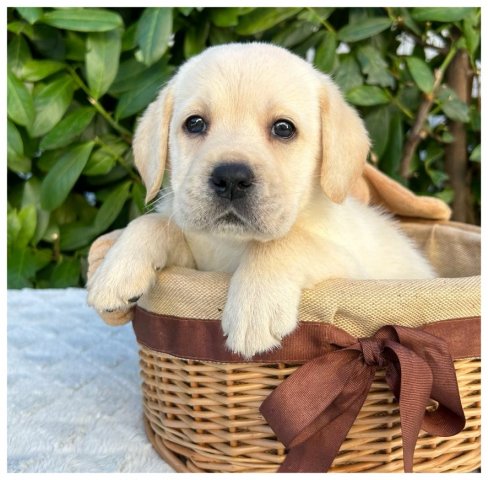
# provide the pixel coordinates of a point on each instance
(312, 411)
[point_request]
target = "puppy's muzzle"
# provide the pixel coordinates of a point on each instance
(232, 181)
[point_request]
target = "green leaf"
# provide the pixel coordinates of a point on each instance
(16, 160)
(75, 46)
(76, 235)
(316, 15)
(378, 125)
(47, 159)
(195, 40)
(374, 67)
(60, 180)
(129, 41)
(111, 207)
(421, 74)
(138, 200)
(476, 154)
(219, 36)
(20, 107)
(365, 29)
(153, 32)
(83, 19)
(68, 129)
(325, 55)
(392, 156)
(367, 96)
(261, 19)
(102, 60)
(100, 163)
(35, 70)
(472, 33)
(186, 10)
(294, 34)
(452, 106)
(20, 27)
(28, 219)
(440, 14)
(51, 102)
(31, 14)
(74, 208)
(18, 54)
(14, 139)
(13, 227)
(22, 265)
(66, 273)
(129, 74)
(31, 195)
(48, 41)
(433, 154)
(144, 90)
(103, 159)
(225, 17)
(348, 75)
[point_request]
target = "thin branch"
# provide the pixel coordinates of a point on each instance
(418, 132)
(325, 23)
(126, 134)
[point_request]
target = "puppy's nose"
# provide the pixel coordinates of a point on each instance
(231, 180)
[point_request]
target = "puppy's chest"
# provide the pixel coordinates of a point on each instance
(215, 254)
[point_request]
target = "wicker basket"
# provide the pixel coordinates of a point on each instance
(203, 416)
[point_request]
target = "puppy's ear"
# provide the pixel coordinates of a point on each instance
(345, 142)
(150, 143)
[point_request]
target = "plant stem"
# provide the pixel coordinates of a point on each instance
(119, 159)
(417, 131)
(325, 23)
(126, 134)
(400, 106)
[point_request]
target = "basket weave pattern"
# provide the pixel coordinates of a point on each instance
(204, 417)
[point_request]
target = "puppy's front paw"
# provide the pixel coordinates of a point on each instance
(118, 283)
(257, 316)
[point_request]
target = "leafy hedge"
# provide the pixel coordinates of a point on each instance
(78, 78)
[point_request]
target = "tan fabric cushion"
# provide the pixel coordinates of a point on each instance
(358, 306)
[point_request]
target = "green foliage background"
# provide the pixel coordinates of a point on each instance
(78, 79)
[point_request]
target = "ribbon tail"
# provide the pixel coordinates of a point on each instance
(431, 376)
(312, 411)
(413, 392)
(317, 453)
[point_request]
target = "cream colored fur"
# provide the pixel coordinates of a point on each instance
(302, 228)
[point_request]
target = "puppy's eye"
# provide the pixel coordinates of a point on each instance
(195, 124)
(283, 129)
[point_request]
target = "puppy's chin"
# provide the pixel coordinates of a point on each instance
(230, 225)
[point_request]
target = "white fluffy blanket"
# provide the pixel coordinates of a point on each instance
(74, 400)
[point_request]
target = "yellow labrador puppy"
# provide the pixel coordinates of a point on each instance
(262, 150)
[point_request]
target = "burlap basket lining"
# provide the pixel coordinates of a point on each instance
(358, 306)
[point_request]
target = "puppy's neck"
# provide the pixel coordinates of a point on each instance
(216, 252)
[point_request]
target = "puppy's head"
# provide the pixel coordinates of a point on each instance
(249, 131)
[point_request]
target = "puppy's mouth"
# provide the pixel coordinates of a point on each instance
(230, 218)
